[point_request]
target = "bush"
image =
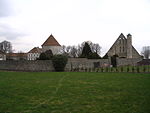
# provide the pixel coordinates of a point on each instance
(59, 62)
(121, 69)
(133, 69)
(144, 69)
(42, 56)
(47, 55)
(128, 69)
(138, 69)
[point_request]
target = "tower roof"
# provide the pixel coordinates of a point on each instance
(129, 35)
(51, 41)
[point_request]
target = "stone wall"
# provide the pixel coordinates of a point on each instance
(26, 65)
(74, 64)
(83, 63)
(127, 61)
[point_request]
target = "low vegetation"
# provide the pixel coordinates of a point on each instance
(59, 62)
(74, 92)
(121, 69)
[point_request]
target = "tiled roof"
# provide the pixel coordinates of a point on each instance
(35, 50)
(16, 54)
(51, 41)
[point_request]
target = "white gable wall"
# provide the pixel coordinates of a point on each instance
(55, 49)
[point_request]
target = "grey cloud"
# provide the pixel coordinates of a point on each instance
(5, 8)
(10, 33)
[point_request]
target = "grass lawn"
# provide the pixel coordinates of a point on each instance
(74, 92)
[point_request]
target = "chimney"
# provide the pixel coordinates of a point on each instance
(129, 46)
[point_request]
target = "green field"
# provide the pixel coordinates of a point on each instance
(76, 92)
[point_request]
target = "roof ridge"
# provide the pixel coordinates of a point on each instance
(51, 41)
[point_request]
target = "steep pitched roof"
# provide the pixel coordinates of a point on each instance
(120, 36)
(35, 50)
(51, 41)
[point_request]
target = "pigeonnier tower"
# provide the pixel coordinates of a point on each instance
(129, 46)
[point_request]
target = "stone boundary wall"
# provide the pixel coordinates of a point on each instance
(34, 66)
(128, 61)
(83, 63)
(74, 64)
(46, 65)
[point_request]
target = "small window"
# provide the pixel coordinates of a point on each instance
(120, 49)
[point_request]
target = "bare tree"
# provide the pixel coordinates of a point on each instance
(76, 51)
(66, 50)
(73, 52)
(63, 49)
(6, 47)
(146, 52)
(96, 48)
(79, 49)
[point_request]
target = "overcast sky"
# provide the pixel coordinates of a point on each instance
(28, 23)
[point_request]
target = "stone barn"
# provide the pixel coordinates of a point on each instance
(123, 48)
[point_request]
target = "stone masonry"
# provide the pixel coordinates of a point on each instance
(72, 65)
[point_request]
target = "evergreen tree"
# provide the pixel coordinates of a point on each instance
(86, 52)
(94, 56)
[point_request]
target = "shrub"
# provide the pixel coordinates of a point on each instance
(121, 69)
(106, 69)
(117, 69)
(47, 55)
(128, 69)
(144, 69)
(133, 69)
(42, 56)
(102, 70)
(59, 62)
(138, 69)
